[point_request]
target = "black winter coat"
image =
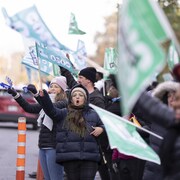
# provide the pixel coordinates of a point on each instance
(70, 146)
(152, 170)
(165, 117)
(47, 138)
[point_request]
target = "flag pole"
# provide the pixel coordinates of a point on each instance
(39, 71)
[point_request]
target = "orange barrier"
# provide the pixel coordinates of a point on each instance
(40, 175)
(21, 149)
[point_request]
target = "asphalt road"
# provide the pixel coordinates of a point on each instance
(8, 151)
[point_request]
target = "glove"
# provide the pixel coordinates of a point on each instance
(12, 91)
(62, 70)
(32, 88)
(45, 101)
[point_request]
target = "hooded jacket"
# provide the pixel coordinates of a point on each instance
(70, 146)
(154, 171)
(160, 113)
(163, 88)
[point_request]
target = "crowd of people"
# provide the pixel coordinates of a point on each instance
(73, 143)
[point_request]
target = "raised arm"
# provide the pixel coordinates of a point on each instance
(49, 108)
(30, 108)
(70, 79)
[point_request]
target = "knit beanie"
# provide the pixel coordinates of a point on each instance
(60, 81)
(89, 73)
(79, 89)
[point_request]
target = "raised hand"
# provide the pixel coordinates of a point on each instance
(12, 91)
(32, 88)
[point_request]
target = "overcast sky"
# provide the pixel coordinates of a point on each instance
(56, 14)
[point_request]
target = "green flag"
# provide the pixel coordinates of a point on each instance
(73, 26)
(46, 68)
(143, 33)
(122, 135)
(110, 61)
(29, 23)
(53, 56)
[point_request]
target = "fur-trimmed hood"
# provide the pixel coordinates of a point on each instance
(162, 88)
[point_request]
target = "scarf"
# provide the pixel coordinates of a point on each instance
(45, 119)
(74, 121)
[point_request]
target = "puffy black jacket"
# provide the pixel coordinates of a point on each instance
(47, 138)
(70, 146)
(165, 117)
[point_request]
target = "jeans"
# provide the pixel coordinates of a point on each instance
(51, 170)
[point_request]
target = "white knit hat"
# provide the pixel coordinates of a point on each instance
(79, 89)
(60, 81)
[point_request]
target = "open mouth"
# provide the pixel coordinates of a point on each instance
(77, 101)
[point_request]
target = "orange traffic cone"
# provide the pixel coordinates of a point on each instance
(40, 175)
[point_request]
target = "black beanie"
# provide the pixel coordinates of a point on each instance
(89, 73)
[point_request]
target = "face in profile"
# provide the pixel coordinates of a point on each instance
(176, 104)
(83, 81)
(170, 98)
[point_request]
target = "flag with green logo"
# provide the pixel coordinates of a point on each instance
(110, 60)
(173, 57)
(30, 60)
(122, 135)
(73, 26)
(46, 68)
(29, 23)
(143, 38)
(55, 57)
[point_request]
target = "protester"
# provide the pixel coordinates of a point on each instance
(165, 93)
(123, 167)
(78, 128)
(169, 118)
(87, 78)
(112, 97)
(112, 101)
(47, 135)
